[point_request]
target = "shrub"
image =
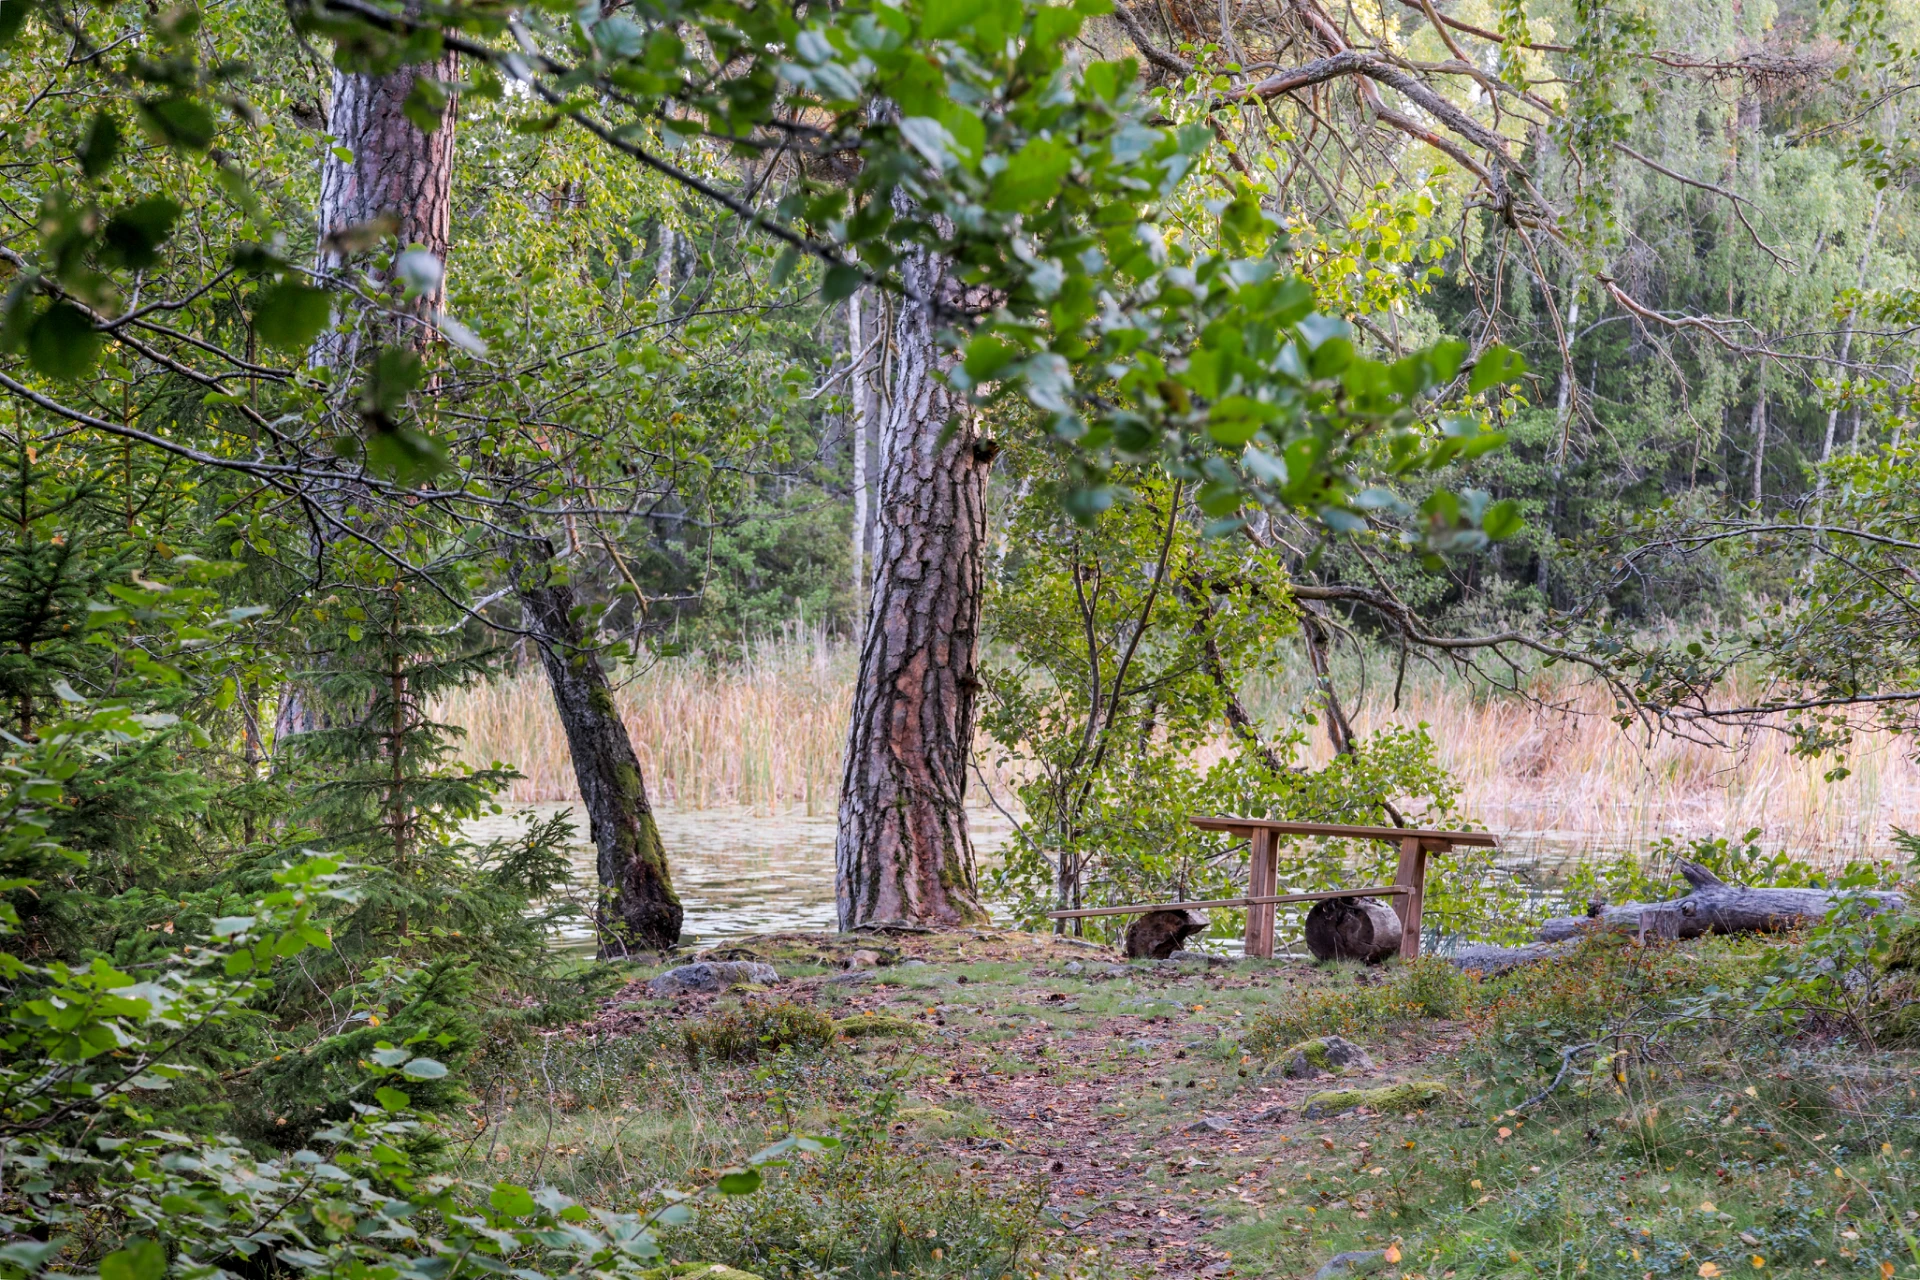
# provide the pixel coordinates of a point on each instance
(742, 1034)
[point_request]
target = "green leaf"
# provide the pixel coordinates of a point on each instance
(140, 1260)
(1031, 176)
(290, 315)
(738, 1182)
(134, 236)
(841, 282)
(1497, 364)
(987, 354)
(514, 1202)
(944, 17)
(62, 342)
(13, 16)
(101, 147)
(396, 372)
(1502, 520)
(426, 104)
(178, 122)
(423, 1069)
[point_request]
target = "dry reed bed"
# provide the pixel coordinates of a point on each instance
(766, 732)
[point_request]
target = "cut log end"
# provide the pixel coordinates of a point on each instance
(1158, 934)
(1364, 929)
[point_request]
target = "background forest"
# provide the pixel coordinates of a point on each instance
(1491, 412)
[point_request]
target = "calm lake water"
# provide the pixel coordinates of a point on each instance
(738, 871)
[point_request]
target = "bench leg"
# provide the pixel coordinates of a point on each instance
(1412, 875)
(1263, 875)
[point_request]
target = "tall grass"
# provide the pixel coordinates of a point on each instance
(763, 730)
(766, 730)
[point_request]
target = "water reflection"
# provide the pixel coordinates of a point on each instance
(738, 871)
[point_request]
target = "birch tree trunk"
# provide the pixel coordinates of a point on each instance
(639, 910)
(903, 851)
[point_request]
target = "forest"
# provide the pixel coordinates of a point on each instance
(614, 616)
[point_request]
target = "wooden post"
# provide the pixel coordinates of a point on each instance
(1412, 876)
(1263, 875)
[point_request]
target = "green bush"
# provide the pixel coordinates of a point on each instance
(758, 1026)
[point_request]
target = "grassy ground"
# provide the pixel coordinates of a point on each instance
(1015, 1106)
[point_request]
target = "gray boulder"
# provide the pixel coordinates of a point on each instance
(1328, 1055)
(707, 977)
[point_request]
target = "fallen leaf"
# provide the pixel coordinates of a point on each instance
(1708, 1270)
(1392, 1253)
(1707, 1206)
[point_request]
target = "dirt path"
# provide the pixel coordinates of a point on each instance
(1121, 1090)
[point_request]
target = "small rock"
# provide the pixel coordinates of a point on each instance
(1360, 1262)
(853, 979)
(1073, 968)
(1328, 1055)
(908, 964)
(1272, 1115)
(1158, 934)
(1210, 1124)
(710, 976)
(1115, 971)
(863, 959)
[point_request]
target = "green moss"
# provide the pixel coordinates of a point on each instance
(1316, 1053)
(1411, 1096)
(876, 1024)
(704, 1271)
(741, 1035)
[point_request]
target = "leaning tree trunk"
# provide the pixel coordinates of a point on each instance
(903, 851)
(639, 910)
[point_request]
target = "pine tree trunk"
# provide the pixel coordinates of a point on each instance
(903, 851)
(639, 910)
(392, 169)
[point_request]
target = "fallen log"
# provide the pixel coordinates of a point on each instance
(1714, 906)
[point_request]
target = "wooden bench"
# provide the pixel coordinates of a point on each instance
(1408, 888)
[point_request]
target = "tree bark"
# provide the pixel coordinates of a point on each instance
(382, 165)
(903, 851)
(861, 397)
(639, 910)
(390, 168)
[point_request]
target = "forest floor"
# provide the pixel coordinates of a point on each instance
(1045, 1109)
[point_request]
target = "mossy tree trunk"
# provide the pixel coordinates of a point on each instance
(903, 851)
(639, 910)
